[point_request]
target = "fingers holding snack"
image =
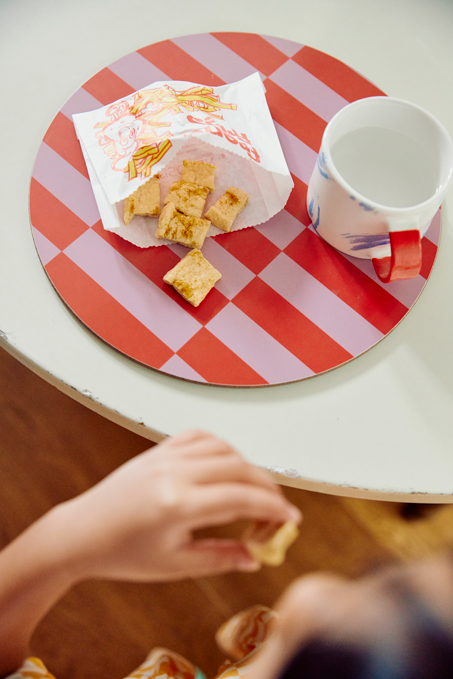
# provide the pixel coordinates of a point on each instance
(225, 503)
(139, 522)
(210, 459)
(231, 468)
(221, 462)
(197, 443)
(224, 485)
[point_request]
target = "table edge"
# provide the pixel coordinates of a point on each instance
(282, 479)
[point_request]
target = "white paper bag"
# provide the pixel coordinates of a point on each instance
(153, 130)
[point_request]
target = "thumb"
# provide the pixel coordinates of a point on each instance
(215, 556)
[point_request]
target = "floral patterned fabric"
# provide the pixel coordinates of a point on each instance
(239, 638)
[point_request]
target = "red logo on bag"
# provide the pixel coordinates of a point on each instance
(212, 126)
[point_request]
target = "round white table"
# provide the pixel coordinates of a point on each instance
(380, 426)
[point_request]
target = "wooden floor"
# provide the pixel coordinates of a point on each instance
(52, 448)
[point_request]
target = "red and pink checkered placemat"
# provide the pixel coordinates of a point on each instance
(288, 306)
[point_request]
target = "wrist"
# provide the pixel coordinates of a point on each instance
(36, 569)
(64, 530)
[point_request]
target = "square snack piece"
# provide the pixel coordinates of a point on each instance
(227, 208)
(187, 230)
(188, 198)
(197, 172)
(268, 542)
(193, 277)
(144, 201)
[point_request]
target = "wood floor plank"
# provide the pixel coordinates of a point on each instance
(405, 539)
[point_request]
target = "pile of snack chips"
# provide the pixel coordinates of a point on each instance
(181, 222)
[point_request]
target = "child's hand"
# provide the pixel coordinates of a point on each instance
(138, 523)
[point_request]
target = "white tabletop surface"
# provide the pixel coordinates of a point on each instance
(380, 426)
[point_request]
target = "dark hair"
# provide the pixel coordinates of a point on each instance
(324, 660)
(427, 652)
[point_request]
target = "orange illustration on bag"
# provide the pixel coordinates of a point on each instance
(136, 135)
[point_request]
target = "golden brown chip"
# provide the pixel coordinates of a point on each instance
(188, 198)
(145, 201)
(197, 172)
(187, 230)
(193, 277)
(268, 542)
(128, 209)
(223, 213)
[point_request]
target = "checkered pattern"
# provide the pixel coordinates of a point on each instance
(288, 306)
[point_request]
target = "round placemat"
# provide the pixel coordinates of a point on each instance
(288, 306)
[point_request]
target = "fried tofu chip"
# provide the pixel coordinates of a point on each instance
(193, 277)
(268, 542)
(145, 201)
(188, 198)
(197, 172)
(223, 213)
(187, 230)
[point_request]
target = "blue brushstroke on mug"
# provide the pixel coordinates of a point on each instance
(366, 207)
(366, 242)
(311, 212)
(321, 162)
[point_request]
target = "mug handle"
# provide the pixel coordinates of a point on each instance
(406, 258)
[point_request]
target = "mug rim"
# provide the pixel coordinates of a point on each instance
(435, 198)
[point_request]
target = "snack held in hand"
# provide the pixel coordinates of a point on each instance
(193, 277)
(268, 542)
(227, 208)
(188, 198)
(145, 201)
(218, 136)
(187, 230)
(200, 173)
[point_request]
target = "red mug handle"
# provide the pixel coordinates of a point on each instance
(406, 258)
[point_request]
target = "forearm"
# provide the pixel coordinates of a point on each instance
(35, 571)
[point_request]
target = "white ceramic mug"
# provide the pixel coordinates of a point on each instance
(382, 171)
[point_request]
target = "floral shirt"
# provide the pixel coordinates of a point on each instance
(239, 638)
